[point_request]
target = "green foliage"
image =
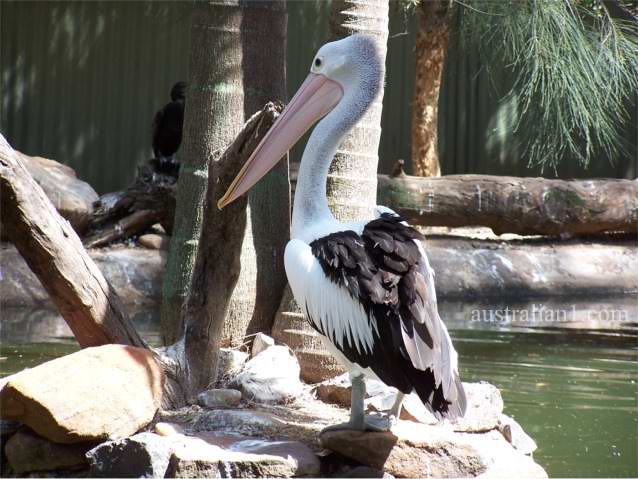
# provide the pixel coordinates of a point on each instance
(574, 67)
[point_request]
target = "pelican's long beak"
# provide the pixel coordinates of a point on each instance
(316, 97)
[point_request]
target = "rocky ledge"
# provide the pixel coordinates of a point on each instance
(260, 421)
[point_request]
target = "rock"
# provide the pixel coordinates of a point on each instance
(229, 362)
(142, 455)
(28, 452)
(380, 397)
(485, 405)
(154, 241)
(209, 461)
(168, 429)
(215, 456)
(432, 451)
(484, 408)
(214, 398)
(365, 471)
(412, 450)
(135, 273)
(270, 377)
(261, 343)
(99, 393)
(414, 410)
(237, 420)
(7, 428)
(513, 432)
(72, 197)
(335, 390)
(299, 457)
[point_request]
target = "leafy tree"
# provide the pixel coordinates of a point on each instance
(574, 63)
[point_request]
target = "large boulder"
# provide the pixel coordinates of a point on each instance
(135, 273)
(100, 393)
(176, 454)
(230, 455)
(73, 198)
(433, 451)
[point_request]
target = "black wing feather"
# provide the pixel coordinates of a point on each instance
(381, 268)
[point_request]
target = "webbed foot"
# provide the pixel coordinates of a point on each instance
(372, 422)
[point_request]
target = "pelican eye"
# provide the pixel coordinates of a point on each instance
(318, 62)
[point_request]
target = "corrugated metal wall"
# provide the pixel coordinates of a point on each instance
(82, 80)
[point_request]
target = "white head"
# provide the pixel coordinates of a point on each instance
(347, 73)
(354, 62)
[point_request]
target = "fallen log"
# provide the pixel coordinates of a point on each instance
(122, 214)
(525, 206)
(130, 225)
(55, 254)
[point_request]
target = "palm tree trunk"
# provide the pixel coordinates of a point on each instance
(262, 278)
(352, 182)
(431, 48)
(213, 117)
(351, 188)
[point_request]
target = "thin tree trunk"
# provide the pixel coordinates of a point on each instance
(431, 49)
(54, 252)
(212, 118)
(352, 182)
(262, 278)
(217, 265)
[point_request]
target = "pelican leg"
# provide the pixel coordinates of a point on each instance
(398, 404)
(378, 422)
(357, 417)
(359, 421)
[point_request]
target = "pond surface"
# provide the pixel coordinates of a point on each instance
(574, 390)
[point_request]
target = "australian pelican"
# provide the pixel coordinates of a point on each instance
(366, 286)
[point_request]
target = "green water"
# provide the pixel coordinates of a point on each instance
(574, 391)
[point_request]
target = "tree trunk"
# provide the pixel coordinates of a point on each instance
(212, 119)
(351, 186)
(526, 206)
(262, 277)
(352, 181)
(431, 48)
(54, 252)
(217, 265)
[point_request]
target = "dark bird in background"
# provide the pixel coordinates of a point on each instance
(167, 129)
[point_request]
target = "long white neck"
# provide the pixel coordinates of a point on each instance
(311, 203)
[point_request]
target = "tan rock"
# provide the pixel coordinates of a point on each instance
(215, 398)
(28, 452)
(484, 408)
(403, 457)
(513, 432)
(337, 390)
(416, 450)
(95, 394)
(154, 241)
